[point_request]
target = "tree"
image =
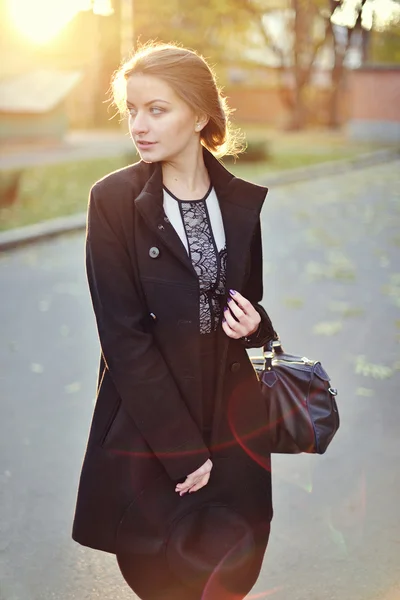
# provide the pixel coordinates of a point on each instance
(311, 29)
(340, 47)
(245, 31)
(233, 29)
(385, 42)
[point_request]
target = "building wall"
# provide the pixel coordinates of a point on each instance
(374, 104)
(265, 105)
(254, 105)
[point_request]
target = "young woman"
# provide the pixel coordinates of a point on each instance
(176, 477)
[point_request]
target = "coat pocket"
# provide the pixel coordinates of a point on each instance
(110, 421)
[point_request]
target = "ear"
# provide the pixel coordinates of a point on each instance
(200, 122)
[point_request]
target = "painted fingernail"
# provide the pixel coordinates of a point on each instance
(233, 292)
(230, 300)
(224, 320)
(226, 308)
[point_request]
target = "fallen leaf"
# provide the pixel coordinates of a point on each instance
(376, 371)
(327, 327)
(367, 392)
(345, 309)
(293, 302)
(72, 388)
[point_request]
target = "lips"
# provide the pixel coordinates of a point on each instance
(144, 144)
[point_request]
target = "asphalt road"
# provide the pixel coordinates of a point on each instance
(332, 287)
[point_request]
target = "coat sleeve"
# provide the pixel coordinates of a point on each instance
(147, 389)
(253, 291)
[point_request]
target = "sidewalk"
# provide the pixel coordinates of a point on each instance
(78, 145)
(81, 145)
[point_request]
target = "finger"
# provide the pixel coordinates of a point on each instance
(193, 477)
(237, 326)
(189, 481)
(186, 484)
(244, 304)
(185, 487)
(190, 485)
(229, 331)
(235, 308)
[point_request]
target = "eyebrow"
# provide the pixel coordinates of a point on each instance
(148, 103)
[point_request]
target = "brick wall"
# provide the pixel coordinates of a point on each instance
(265, 105)
(374, 103)
(254, 105)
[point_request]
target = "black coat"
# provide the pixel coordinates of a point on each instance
(148, 415)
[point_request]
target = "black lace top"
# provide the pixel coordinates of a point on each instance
(208, 262)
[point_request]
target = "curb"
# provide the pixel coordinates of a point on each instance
(46, 229)
(335, 167)
(21, 236)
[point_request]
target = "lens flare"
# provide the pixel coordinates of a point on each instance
(42, 20)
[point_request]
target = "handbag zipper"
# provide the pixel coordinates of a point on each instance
(304, 361)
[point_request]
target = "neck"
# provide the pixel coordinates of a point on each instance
(187, 175)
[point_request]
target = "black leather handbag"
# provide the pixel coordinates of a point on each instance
(301, 408)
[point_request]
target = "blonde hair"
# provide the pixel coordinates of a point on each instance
(193, 80)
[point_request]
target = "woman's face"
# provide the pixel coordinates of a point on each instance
(162, 126)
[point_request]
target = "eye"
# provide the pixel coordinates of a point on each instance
(156, 110)
(131, 111)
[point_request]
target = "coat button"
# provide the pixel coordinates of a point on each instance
(160, 226)
(154, 252)
(235, 367)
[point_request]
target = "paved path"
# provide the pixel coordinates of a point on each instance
(332, 287)
(77, 145)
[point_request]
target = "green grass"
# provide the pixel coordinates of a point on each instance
(285, 160)
(51, 191)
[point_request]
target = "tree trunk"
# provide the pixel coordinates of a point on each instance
(336, 88)
(297, 120)
(339, 68)
(298, 112)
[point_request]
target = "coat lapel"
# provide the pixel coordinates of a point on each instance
(240, 204)
(150, 205)
(239, 226)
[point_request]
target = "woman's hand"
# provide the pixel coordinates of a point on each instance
(195, 480)
(248, 319)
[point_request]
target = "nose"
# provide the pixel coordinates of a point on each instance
(138, 124)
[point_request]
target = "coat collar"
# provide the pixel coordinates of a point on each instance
(240, 204)
(228, 187)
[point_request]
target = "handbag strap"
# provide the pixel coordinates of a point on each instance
(270, 350)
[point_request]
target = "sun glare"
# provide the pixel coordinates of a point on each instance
(42, 20)
(377, 12)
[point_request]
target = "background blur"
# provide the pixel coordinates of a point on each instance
(310, 81)
(315, 85)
